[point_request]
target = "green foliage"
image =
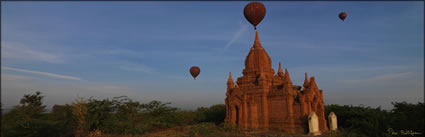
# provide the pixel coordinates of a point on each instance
(366, 121)
(63, 118)
(159, 115)
(32, 105)
(28, 119)
(79, 111)
(215, 114)
(186, 117)
(406, 116)
(123, 116)
(98, 111)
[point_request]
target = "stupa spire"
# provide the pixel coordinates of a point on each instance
(286, 77)
(306, 80)
(230, 80)
(280, 71)
(257, 44)
(258, 60)
(313, 84)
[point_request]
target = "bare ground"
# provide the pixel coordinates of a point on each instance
(211, 131)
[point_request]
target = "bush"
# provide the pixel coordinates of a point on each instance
(122, 116)
(215, 114)
(63, 118)
(366, 121)
(406, 116)
(29, 119)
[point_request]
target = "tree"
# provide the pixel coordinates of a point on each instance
(97, 112)
(33, 105)
(363, 121)
(63, 118)
(215, 113)
(79, 111)
(407, 116)
(28, 119)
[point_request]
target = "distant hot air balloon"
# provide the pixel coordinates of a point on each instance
(254, 12)
(194, 71)
(342, 15)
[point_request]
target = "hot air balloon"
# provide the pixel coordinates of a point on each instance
(342, 15)
(254, 12)
(194, 71)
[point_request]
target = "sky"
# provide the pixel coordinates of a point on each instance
(144, 50)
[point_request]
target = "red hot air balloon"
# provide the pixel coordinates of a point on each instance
(194, 71)
(254, 12)
(342, 15)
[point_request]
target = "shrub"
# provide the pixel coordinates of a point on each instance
(215, 113)
(406, 116)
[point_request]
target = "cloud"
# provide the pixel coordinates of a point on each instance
(16, 77)
(356, 68)
(42, 73)
(315, 46)
(21, 52)
(242, 29)
(382, 78)
(139, 68)
(124, 52)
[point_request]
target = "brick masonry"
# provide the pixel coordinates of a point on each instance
(263, 100)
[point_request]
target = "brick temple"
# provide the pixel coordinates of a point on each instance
(264, 100)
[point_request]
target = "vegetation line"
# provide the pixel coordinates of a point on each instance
(123, 117)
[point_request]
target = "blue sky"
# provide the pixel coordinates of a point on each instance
(144, 49)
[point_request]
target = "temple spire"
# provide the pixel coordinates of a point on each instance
(280, 71)
(306, 80)
(257, 44)
(313, 84)
(286, 77)
(230, 80)
(258, 60)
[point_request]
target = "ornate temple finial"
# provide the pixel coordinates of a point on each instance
(306, 80)
(230, 81)
(286, 77)
(280, 71)
(313, 84)
(257, 44)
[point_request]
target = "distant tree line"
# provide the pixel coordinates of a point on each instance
(93, 117)
(123, 116)
(360, 121)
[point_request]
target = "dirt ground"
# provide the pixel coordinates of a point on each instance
(212, 131)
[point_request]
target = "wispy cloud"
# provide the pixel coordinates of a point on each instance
(21, 52)
(16, 77)
(124, 52)
(42, 73)
(242, 29)
(286, 43)
(356, 68)
(139, 68)
(382, 78)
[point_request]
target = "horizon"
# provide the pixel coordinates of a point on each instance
(144, 50)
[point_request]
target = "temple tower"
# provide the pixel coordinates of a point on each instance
(264, 100)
